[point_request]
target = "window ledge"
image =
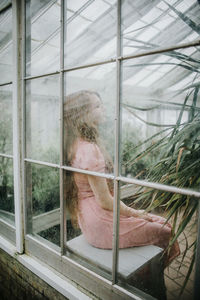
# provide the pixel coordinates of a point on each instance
(50, 276)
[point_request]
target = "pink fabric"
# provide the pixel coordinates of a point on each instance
(96, 223)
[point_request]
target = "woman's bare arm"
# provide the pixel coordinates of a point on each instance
(101, 191)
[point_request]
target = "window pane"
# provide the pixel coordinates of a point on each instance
(6, 143)
(7, 209)
(43, 202)
(89, 118)
(6, 45)
(143, 266)
(89, 226)
(42, 119)
(160, 118)
(42, 36)
(150, 24)
(90, 31)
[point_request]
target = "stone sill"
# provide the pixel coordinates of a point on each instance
(47, 274)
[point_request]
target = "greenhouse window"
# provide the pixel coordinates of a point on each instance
(99, 99)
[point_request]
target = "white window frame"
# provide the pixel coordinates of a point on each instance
(42, 250)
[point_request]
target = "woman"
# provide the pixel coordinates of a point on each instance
(90, 198)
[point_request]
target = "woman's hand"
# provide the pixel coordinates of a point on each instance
(144, 215)
(140, 214)
(105, 199)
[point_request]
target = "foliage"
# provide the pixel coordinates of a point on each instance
(177, 164)
(45, 189)
(176, 148)
(6, 170)
(139, 168)
(6, 185)
(6, 126)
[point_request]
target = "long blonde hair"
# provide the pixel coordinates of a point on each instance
(77, 121)
(78, 124)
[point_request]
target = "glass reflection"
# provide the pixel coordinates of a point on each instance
(42, 46)
(160, 118)
(7, 208)
(6, 45)
(153, 24)
(89, 118)
(144, 266)
(43, 202)
(90, 31)
(42, 119)
(6, 143)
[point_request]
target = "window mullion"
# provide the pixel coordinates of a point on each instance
(17, 123)
(62, 202)
(116, 210)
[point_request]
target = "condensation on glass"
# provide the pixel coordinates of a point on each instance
(160, 107)
(159, 100)
(6, 45)
(152, 24)
(42, 37)
(42, 119)
(7, 208)
(43, 202)
(6, 130)
(90, 31)
(89, 108)
(89, 226)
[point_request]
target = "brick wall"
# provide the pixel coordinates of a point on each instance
(17, 282)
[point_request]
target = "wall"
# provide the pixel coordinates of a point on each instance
(17, 282)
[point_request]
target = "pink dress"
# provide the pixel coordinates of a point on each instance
(96, 223)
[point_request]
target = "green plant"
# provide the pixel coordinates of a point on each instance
(175, 149)
(45, 189)
(6, 185)
(177, 164)
(6, 170)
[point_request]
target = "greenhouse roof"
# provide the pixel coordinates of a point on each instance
(91, 36)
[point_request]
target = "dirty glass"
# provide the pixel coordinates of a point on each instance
(7, 209)
(149, 264)
(89, 226)
(147, 24)
(42, 36)
(6, 45)
(90, 32)
(42, 119)
(89, 109)
(43, 202)
(6, 129)
(160, 108)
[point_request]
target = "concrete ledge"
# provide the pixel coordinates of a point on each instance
(44, 272)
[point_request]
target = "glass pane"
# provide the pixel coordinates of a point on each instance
(90, 31)
(6, 143)
(89, 221)
(144, 265)
(6, 45)
(43, 202)
(42, 119)
(151, 24)
(7, 209)
(42, 36)
(89, 118)
(160, 118)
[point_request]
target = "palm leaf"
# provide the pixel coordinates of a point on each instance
(188, 273)
(185, 18)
